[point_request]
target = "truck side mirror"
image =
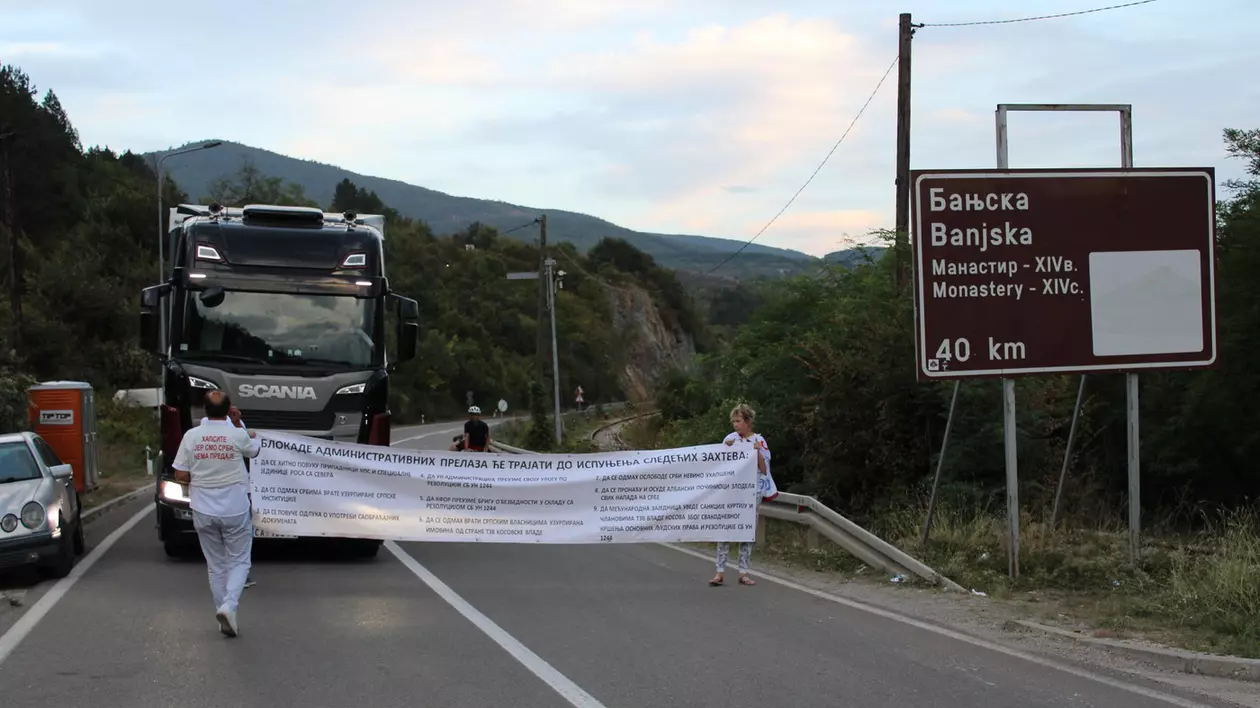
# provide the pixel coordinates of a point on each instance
(149, 331)
(150, 303)
(408, 309)
(408, 332)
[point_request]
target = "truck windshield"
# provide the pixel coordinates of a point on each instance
(280, 328)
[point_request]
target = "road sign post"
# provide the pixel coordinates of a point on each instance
(1025, 272)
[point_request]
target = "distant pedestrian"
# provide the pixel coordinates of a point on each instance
(742, 418)
(476, 431)
(210, 460)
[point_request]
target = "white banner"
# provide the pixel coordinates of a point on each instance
(310, 487)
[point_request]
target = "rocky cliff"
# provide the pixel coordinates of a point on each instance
(652, 342)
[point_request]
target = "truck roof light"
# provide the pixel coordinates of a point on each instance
(363, 283)
(272, 213)
(355, 260)
(208, 253)
(197, 276)
(350, 215)
(216, 208)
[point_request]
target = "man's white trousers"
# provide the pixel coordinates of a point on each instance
(226, 542)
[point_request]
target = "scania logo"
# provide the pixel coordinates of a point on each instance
(273, 391)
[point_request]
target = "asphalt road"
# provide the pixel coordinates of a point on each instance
(492, 625)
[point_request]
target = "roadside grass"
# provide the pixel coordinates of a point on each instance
(1198, 589)
(123, 432)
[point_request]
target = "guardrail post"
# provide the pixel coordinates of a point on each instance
(761, 529)
(811, 538)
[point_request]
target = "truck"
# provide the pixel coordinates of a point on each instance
(285, 309)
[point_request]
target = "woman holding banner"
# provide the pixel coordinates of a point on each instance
(742, 418)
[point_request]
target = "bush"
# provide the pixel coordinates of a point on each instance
(14, 400)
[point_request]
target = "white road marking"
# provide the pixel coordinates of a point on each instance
(27, 622)
(425, 435)
(974, 641)
(445, 431)
(570, 691)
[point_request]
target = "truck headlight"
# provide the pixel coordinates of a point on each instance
(174, 491)
(33, 515)
(352, 389)
(202, 384)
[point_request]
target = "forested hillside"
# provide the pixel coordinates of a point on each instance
(79, 242)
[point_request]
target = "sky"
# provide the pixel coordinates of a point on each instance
(682, 116)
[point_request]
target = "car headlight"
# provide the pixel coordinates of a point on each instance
(352, 389)
(174, 491)
(8, 523)
(202, 383)
(33, 515)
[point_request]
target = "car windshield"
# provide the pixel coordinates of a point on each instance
(281, 328)
(17, 464)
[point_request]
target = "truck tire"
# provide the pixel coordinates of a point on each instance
(178, 547)
(365, 548)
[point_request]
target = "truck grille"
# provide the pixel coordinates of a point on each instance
(288, 420)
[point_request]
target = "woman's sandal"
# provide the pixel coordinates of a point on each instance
(745, 580)
(716, 581)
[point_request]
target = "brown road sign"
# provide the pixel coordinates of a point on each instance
(1022, 272)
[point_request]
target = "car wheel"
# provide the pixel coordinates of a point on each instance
(80, 544)
(61, 565)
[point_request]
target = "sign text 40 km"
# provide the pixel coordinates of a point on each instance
(1054, 271)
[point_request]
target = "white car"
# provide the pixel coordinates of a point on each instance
(41, 521)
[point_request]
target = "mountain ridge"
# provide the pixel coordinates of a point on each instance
(447, 213)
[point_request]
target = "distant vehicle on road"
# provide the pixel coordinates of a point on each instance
(41, 520)
(284, 308)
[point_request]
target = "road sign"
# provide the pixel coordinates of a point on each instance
(502, 406)
(1051, 271)
(528, 275)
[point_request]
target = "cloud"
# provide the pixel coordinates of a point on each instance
(677, 119)
(821, 232)
(700, 117)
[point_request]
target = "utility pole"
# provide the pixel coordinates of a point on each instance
(905, 31)
(555, 351)
(542, 299)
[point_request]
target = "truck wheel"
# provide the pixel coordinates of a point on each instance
(365, 548)
(177, 547)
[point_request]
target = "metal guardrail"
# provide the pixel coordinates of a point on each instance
(868, 547)
(621, 421)
(808, 511)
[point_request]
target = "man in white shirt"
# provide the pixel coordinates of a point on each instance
(234, 415)
(210, 460)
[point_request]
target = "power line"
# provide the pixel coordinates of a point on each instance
(601, 281)
(816, 171)
(1031, 19)
(518, 228)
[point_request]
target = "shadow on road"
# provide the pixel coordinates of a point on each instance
(332, 551)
